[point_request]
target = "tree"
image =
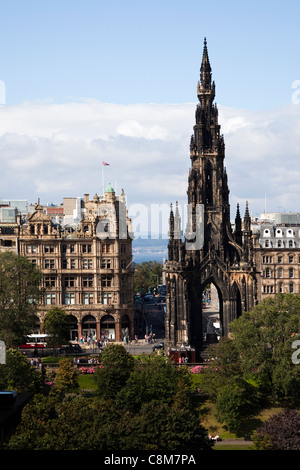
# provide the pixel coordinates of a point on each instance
(233, 403)
(224, 369)
(55, 325)
(154, 378)
(18, 374)
(66, 377)
(280, 432)
(264, 339)
(147, 276)
(20, 291)
(116, 366)
(171, 428)
(72, 422)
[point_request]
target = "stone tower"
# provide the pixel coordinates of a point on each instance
(210, 251)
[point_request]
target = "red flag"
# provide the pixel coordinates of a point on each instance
(105, 164)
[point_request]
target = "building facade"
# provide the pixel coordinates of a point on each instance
(84, 249)
(277, 253)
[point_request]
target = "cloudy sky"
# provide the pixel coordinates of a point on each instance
(116, 81)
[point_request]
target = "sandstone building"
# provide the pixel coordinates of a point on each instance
(277, 253)
(84, 249)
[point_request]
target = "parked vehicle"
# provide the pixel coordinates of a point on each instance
(71, 349)
(35, 341)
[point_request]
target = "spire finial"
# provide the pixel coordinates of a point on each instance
(205, 70)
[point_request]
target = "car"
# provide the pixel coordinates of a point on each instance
(159, 345)
(71, 348)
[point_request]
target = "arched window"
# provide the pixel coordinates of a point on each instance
(107, 327)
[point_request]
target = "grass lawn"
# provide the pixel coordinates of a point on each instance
(86, 382)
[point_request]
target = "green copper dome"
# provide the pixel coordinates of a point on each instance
(109, 189)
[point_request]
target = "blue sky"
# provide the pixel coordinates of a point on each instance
(130, 51)
(116, 81)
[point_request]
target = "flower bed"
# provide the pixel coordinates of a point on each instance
(198, 369)
(88, 370)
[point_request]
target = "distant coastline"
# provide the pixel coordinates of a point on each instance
(149, 250)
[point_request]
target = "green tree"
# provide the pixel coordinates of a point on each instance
(56, 327)
(147, 276)
(225, 368)
(18, 374)
(66, 379)
(158, 426)
(232, 404)
(154, 378)
(264, 340)
(116, 366)
(20, 291)
(53, 422)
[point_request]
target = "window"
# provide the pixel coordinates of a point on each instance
(30, 249)
(291, 272)
(106, 281)
(106, 248)
(49, 281)
(72, 263)
(69, 281)
(268, 272)
(291, 287)
(87, 264)
(69, 299)
(267, 259)
(88, 298)
(268, 289)
(72, 248)
(64, 264)
(105, 263)
(87, 281)
(123, 264)
(50, 299)
(291, 243)
(106, 298)
(279, 259)
(291, 259)
(123, 248)
(280, 288)
(280, 272)
(87, 248)
(49, 263)
(49, 248)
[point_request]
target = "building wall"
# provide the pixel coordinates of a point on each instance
(87, 272)
(277, 253)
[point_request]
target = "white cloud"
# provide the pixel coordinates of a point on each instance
(50, 150)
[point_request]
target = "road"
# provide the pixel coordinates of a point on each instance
(155, 317)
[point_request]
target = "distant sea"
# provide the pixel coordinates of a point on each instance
(141, 257)
(149, 250)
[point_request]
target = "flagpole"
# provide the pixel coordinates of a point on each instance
(103, 164)
(102, 180)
